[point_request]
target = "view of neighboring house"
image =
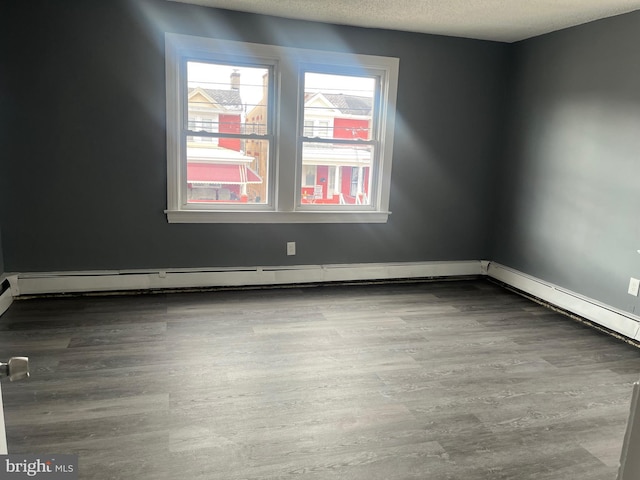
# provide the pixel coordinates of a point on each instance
(217, 168)
(256, 122)
(233, 169)
(333, 172)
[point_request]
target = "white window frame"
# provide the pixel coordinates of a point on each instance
(286, 102)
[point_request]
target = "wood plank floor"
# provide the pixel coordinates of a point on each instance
(446, 380)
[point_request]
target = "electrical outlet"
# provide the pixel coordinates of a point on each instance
(634, 286)
(291, 248)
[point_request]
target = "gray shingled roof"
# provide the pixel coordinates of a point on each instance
(350, 104)
(230, 99)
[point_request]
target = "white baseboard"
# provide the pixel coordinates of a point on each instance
(616, 320)
(104, 281)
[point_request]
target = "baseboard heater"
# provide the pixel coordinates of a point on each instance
(612, 319)
(26, 284)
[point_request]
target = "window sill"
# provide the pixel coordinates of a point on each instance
(184, 216)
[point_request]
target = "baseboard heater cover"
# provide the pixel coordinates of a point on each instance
(612, 319)
(125, 280)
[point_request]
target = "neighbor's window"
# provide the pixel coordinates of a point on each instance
(256, 134)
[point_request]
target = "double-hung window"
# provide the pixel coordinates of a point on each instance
(268, 134)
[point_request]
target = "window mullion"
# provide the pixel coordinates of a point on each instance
(287, 130)
(242, 136)
(339, 141)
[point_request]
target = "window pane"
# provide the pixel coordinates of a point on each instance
(338, 106)
(227, 99)
(341, 174)
(218, 173)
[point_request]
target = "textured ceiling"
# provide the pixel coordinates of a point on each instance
(500, 20)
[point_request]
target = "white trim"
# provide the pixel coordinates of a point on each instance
(619, 321)
(3, 432)
(105, 281)
(484, 265)
(6, 298)
(317, 216)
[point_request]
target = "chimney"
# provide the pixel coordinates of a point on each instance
(235, 80)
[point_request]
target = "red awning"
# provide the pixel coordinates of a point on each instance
(221, 174)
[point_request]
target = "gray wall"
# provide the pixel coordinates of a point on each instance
(85, 143)
(571, 176)
(548, 186)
